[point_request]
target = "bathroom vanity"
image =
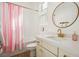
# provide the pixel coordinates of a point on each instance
(49, 46)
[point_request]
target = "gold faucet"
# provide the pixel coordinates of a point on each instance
(60, 34)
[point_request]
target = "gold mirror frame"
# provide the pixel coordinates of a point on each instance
(71, 23)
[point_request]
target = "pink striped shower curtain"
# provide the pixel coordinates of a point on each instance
(12, 27)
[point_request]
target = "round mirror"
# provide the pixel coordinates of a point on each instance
(65, 14)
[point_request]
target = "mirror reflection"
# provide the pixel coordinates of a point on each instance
(65, 14)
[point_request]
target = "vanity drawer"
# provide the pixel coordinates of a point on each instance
(50, 47)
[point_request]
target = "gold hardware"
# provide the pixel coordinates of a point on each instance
(60, 34)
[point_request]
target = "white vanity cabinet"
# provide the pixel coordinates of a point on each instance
(52, 48)
(44, 49)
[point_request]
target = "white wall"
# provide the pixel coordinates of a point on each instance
(30, 22)
(53, 28)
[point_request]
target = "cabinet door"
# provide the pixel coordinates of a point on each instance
(63, 53)
(41, 52)
(46, 53)
(50, 47)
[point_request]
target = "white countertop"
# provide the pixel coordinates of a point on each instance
(67, 44)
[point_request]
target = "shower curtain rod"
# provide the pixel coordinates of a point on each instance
(23, 6)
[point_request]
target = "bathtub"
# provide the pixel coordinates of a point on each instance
(31, 45)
